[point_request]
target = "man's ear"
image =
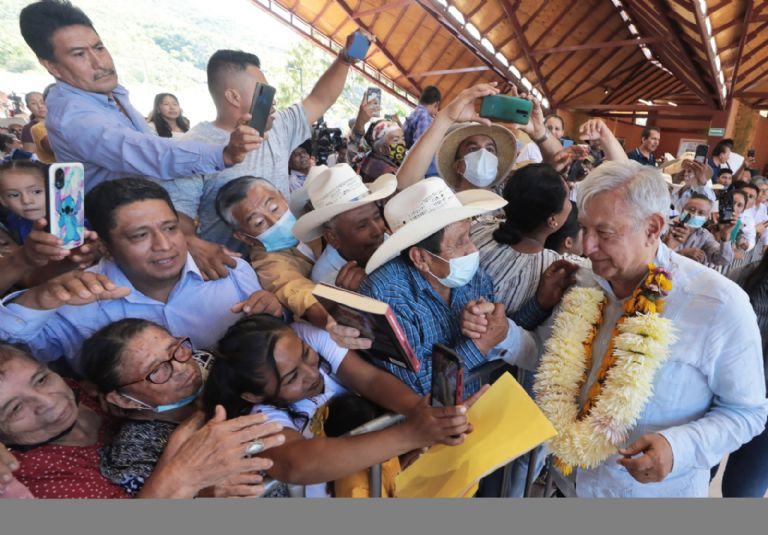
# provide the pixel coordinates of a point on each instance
(232, 97)
(51, 67)
(419, 258)
(654, 225)
(252, 398)
(568, 243)
(243, 238)
(331, 238)
(118, 400)
(460, 166)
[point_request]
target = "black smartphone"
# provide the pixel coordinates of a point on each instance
(751, 153)
(725, 210)
(701, 153)
(683, 220)
(447, 377)
(261, 107)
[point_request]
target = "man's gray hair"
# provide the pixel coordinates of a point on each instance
(644, 189)
(234, 192)
(758, 180)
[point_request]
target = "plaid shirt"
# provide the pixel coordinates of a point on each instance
(415, 126)
(425, 317)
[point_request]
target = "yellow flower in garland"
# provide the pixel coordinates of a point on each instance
(638, 347)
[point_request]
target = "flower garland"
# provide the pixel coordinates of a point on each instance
(638, 347)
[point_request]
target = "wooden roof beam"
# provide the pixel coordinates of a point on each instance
(505, 4)
(689, 110)
(446, 72)
(751, 94)
(535, 14)
(599, 46)
(604, 80)
(636, 90)
(713, 72)
(742, 42)
(550, 27)
(386, 7)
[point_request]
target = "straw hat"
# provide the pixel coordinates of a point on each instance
(299, 198)
(673, 167)
(336, 190)
(422, 209)
(506, 149)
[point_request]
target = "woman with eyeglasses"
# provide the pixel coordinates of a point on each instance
(69, 444)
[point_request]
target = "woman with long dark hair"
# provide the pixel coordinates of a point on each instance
(167, 118)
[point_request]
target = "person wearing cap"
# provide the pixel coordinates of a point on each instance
(299, 164)
(387, 151)
(427, 271)
(471, 151)
(259, 216)
(345, 212)
(695, 176)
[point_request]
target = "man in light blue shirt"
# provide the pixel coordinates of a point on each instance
(90, 118)
(149, 274)
(708, 397)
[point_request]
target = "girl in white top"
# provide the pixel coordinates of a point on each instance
(290, 372)
(167, 119)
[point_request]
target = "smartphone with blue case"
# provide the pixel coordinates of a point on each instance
(359, 47)
(65, 192)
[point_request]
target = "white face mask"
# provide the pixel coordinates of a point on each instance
(481, 168)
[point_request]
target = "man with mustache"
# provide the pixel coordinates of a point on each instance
(90, 118)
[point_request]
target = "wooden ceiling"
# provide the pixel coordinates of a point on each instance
(591, 55)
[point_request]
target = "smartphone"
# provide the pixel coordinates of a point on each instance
(505, 108)
(374, 93)
(725, 210)
(447, 377)
(683, 220)
(751, 153)
(359, 47)
(701, 153)
(261, 107)
(566, 142)
(65, 194)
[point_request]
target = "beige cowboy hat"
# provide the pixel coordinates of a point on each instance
(675, 166)
(299, 198)
(422, 209)
(336, 190)
(506, 149)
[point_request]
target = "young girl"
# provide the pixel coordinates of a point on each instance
(22, 193)
(166, 117)
(290, 372)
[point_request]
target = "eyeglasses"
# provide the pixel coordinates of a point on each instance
(163, 372)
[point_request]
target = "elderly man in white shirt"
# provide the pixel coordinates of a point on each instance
(708, 396)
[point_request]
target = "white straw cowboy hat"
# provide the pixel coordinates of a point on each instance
(299, 198)
(673, 167)
(506, 149)
(422, 209)
(336, 190)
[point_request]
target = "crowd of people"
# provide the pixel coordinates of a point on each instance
(180, 351)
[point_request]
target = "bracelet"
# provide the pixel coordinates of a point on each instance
(542, 138)
(346, 58)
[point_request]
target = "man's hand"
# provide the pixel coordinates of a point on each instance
(701, 172)
(680, 233)
(554, 282)
(535, 127)
(368, 109)
(654, 464)
(242, 140)
(350, 276)
(694, 253)
(462, 108)
(260, 302)
(348, 337)
(211, 258)
(495, 331)
(73, 288)
(473, 320)
(8, 465)
(42, 247)
(247, 485)
(724, 231)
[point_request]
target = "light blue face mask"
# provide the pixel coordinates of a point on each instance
(183, 402)
(462, 269)
(694, 221)
(280, 235)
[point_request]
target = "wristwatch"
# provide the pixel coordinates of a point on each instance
(346, 58)
(540, 140)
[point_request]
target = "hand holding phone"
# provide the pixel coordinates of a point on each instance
(447, 377)
(374, 93)
(506, 108)
(359, 46)
(701, 154)
(65, 193)
(725, 210)
(261, 107)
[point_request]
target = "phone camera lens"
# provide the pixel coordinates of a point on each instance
(59, 180)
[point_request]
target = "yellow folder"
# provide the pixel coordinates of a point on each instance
(507, 423)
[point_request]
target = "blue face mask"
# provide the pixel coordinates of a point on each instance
(694, 221)
(462, 269)
(183, 402)
(280, 235)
